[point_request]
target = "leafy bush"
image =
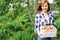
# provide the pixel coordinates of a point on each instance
(5, 34)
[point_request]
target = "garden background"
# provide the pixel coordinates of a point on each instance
(17, 19)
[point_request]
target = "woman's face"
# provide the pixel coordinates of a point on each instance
(44, 7)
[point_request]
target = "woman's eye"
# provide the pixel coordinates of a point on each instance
(46, 6)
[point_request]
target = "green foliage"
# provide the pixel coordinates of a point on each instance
(5, 33)
(16, 24)
(56, 5)
(57, 21)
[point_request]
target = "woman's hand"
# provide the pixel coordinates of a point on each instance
(55, 36)
(42, 36)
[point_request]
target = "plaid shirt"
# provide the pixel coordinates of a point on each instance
(41, 20)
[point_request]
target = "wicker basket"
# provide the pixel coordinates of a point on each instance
(48, 31)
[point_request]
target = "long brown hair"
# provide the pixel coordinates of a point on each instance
(40, 5)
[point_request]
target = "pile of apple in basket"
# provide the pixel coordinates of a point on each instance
(48, 31)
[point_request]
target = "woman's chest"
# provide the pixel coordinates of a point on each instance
(45, 18)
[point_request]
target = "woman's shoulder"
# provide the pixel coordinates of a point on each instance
(38, 13)
(51, 13)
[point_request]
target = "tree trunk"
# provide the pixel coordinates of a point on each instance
(29, 12)
(35, 5)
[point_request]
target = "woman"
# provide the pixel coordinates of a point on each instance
(43, 17)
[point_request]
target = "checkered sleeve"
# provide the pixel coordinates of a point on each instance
(37, 23)
(52, 18)
(53, 21)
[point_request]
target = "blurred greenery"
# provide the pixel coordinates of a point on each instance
(16, 24)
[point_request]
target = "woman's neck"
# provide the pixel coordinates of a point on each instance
(44, 12)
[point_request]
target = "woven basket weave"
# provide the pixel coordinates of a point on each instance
(48, 31)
